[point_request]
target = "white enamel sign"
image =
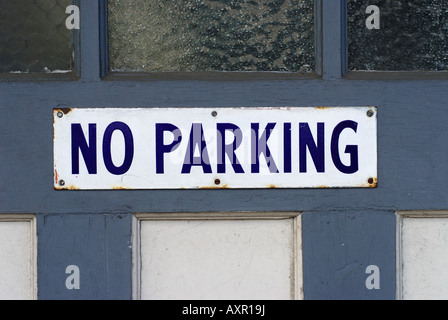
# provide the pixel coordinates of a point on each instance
(190, 148)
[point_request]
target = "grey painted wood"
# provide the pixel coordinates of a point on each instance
(90, 37)
(339, 246)
(98, 244)
(332, 20)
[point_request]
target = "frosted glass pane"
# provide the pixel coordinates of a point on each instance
(412, 36)
(211, 35)
(33, 36)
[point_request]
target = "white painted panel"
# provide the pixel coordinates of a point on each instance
(16, 260)
(424, 258)
(218, 259)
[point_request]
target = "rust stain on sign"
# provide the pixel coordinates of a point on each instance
(64, 110)
(56, 176)
(215, 187)
(70, 187)
(372, 183)
(120, 188)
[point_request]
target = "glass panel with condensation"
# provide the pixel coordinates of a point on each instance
(34, 37)
(398, 35)
(211, 35)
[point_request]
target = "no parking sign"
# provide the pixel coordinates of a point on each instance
(190, 148)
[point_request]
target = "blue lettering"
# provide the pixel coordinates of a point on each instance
(260, 146)
(161, 148)
(228, 149)
(129, 148)
(317, 150)
(351, 149)
(287, 154)
(196, 140)
(88, 151)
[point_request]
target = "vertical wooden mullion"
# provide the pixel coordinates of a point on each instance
(332, 35)
(103, 29)
(90, 40)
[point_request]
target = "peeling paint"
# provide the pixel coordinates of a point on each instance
(216, 187)
(64, 110)
(374, 184)
(120, 188)
(56, 176)
(70, 187)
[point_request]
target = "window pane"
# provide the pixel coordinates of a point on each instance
(211, 35)
(33, 36)
(412, 36)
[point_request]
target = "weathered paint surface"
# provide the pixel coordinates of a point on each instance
(338, 246)
(17, 258)
(98, 244)
(423, 255)
(225, 267)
